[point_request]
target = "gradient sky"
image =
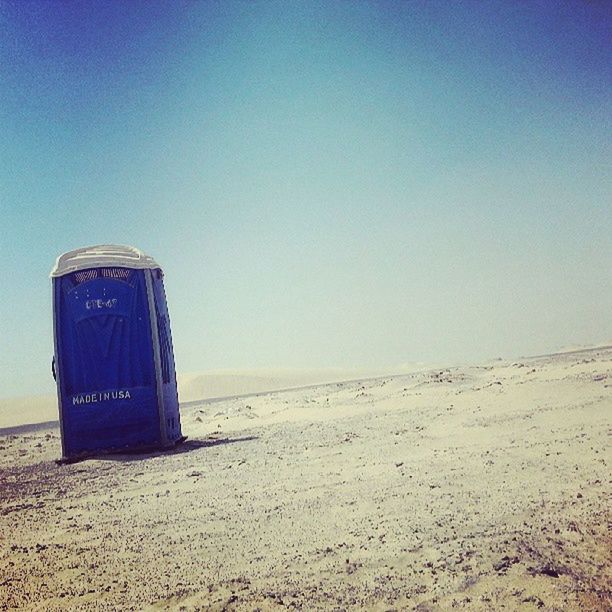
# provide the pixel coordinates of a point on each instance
(325, 184)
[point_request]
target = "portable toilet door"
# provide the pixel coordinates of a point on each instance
(113, 357)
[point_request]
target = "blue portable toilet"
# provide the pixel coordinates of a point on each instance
(113, 357)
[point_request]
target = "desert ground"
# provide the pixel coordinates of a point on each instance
(475, 487)
(209, 385)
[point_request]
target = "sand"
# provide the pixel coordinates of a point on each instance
(211, 384)
(483, 487)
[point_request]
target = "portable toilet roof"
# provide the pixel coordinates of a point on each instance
(117, 256)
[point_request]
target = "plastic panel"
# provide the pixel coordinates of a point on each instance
(105, 360)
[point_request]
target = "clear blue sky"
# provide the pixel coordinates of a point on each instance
(325, 184)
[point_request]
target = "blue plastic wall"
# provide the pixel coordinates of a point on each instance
(108, 390)
(168, 372)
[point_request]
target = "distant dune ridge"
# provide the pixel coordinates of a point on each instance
(16, 411)
(478, 487)
(202, 385)
(212, 384)
(227, 383)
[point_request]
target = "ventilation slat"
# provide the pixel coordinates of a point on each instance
(85, 275)
(118, 273)
(122, 274)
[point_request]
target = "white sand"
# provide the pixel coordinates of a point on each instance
(227, 383)
(477, 487)
(20, 411)
(23, 410)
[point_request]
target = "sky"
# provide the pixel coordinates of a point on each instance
(335, 184)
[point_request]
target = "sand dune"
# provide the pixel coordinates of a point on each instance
(227, 383)
(19, 411)
(16, 412)
(483, 487)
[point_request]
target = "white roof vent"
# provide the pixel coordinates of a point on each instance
(103, 255)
